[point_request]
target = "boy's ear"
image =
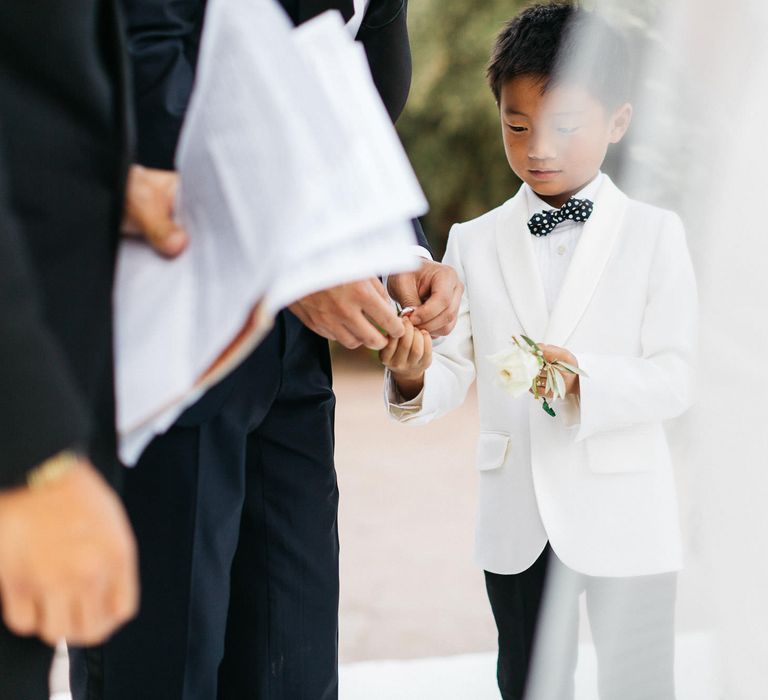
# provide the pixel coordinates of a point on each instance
(619, 123)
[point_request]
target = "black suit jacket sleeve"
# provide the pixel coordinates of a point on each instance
(384, 35)
(163, 41)
(41, 411)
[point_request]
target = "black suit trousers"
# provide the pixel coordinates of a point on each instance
(235, 513)
(25, 667)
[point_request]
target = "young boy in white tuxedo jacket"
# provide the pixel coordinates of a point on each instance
(584, 500)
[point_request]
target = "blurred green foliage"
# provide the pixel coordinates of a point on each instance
(451, 124)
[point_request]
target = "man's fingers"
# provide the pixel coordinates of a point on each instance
(365, 332)
(306, 318)
(150, 197)
(347, 337)
(88, 624)
(56, 621)
(123, 590)
(440, 309)
(355, 314)
(300, 312)
(440, 324)
(20, 613)
(384, 316)
(450, 319)
(445, 322)
(404, 289)
(103, 606)
(166, 237)
(379, 289)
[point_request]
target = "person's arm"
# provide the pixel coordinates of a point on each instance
(384, 36)
(163, 41)
(41, 409)
(67, 556)
(619, 392)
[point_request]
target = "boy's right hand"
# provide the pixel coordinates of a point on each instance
(407, 358)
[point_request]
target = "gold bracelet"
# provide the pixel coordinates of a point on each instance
(53, 469)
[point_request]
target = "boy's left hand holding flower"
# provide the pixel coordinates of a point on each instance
(551, 354)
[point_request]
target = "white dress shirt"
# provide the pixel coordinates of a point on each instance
(555, 250)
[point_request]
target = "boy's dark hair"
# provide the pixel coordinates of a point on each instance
(561, 39)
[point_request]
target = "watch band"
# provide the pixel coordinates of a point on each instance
(53, 469)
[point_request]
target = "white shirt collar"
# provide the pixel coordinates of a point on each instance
(589, 191)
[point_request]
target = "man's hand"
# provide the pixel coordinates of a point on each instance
(150, 196)
(67, 559)
(438, 287)
(347, 313)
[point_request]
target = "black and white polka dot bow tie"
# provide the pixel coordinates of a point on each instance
(573, 210)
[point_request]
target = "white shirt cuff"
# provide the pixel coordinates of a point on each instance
(421, 252)
(396, 404)
(570, 409)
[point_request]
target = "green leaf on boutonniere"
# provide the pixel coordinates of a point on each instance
(531, 343)
(548, 409)
(549, 384)
(559, 382)
(570, 368)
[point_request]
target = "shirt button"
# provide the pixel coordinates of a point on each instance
(561, 250)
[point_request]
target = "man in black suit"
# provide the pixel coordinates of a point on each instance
(67, 556)
(235, 506)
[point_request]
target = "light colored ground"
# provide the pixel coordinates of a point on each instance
(472, 676)
(409, 586)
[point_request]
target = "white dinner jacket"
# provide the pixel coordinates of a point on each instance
(597, 480)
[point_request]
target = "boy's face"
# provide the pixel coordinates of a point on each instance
(557, 141)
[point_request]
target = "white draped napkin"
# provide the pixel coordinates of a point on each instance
(292, 180)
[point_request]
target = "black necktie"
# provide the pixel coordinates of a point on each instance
(573, 210)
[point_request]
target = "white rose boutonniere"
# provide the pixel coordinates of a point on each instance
(517, 370)
(519, 366)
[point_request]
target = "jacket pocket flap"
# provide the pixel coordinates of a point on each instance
(492, 450)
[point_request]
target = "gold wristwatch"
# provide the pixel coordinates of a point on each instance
(53, 469)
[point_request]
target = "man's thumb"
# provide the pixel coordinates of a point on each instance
(167, 238)
(408, 293)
